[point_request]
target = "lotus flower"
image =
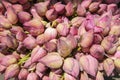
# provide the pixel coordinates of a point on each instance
(23, 74)
(81, 10)
(68, 77)
(108, 65)
(32, 76)
(52, 60)
(11, 71)
(69, 9)
(23, 18)
(91, 62)
(37, 53)
(71, 66)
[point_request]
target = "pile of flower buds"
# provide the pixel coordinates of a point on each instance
(59, 39)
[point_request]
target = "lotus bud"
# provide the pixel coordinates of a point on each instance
(6, 3)
(4, 22)
(32, 76)
(11, 71)
(21, 48)
(37, 53)
(115, 30)
(50, 33)
(53, 76)
(17, 7)
(35, 14)
(41, 67)
(28, 63)
(26, 6)
(50, 46)
(86, 3)
(2, 68)
(97, 39)
(29, 42)
(8, 60)
(63, 47)
(73, 30)
(45, 77)
(87, 39)
(91, 62)
(108, 66)
(16, 29)
(11, 15)
(99, 76)
(81, 29)
(94, 7)
(23, 74)
(112, 8)
(69, 9)
(81, 10)
(117, 65)
(41, 39)
(62, 29)
(77, 21)
(98, 29)
(41, 7)
(23, 18)
(51, 14)
(68, 77)
(102, 8)
(97, 51)
(52, 60)
(84, 76)
(60, 8)
(20, 36)
(71, 66)
(22, 1)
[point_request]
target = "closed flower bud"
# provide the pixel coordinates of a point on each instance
(71, 66)
(73, 30)
(23, 18)
(40, 67)
(23, 74)
(86, 3)
(41, 39)
(115, 30)
(17, 7)
(108, 66)
(52, 60)
(11, 71)
(28, 63)
(60, 8)
(32, 76)
(102, 8)
(81, 10)
(94, 6)
(68, 77)
(112, 8)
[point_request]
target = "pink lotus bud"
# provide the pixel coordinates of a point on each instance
(53, 76)
(29, 42)
(81, 10)
(52, 60)
(51, 14)
(28, 63)
(41, 39)
(102, 9)
(23, 74)
(69, 9)
(115, 30)
(32, 76)
(35, 14)
(50, 33)
(81, 29)
(94, 7)
(63, 47)
(6, 3)
(84, 76)
(97, 51)
(4, 22)
(41, 7)
(108, 65)
(50, 46)
(34, 26)
(112, 8)
(91, 62)
(23, 18)
(60, 8)
(117, 64)
(62, 29)
(8, 60)
(37, 53)
(68, 77)
(20, 36)
(73, 30)
(41, 67)
(16, 29)
(99, 76)
(22, 1)
(87, 39)
(77, 21)
(108, 44)
(11, 15)
(11, 71)
(71, 66)
(86, 3)
(17, 7)
(97, 39)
